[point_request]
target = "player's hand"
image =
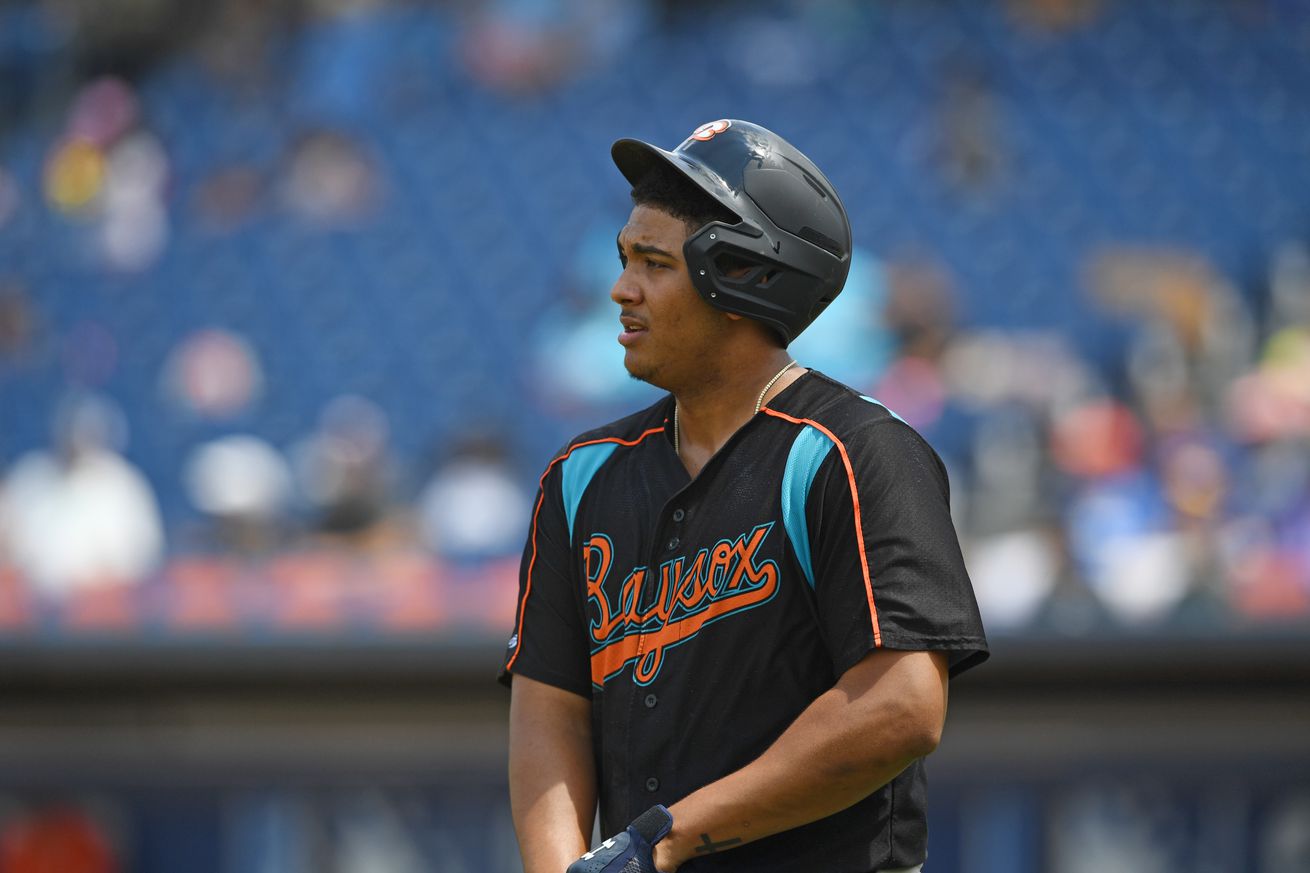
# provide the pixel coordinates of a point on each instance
(631, 850)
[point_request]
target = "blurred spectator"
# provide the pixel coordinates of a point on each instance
(244, 485)
(1127, 549)
(214, 374)
(1272, 401)
(1014, 561)
(1119, 527)
(107, 166)
(135, 227)
(75, 176)
(527, 46)
(1267, 547)
(1009, 465)
(1097, 439)
(475, 507)
(1194, 334)
(329, 178)
(18, 321)
(920, 308)
(81, 516)
(919, 316)
(1013, 576)
(972, 155)
(344, 470)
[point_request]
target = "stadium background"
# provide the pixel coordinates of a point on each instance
(296, 299)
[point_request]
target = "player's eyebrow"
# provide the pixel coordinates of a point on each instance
(643, 249)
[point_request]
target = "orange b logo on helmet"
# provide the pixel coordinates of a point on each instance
(710, 129)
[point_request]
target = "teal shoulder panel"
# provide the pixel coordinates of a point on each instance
(807, 453)
(878, 402)
(576, 473)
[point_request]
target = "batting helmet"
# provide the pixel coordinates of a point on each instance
(792, 229)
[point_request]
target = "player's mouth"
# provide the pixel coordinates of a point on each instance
(633, 330)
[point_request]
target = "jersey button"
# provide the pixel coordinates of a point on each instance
(679, 514)
(651, 700)
(652, 784)
(673, 543)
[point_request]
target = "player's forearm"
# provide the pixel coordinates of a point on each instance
(842, 748)
(799, 781)
(552, 777)
(548, 840)
(547, 822)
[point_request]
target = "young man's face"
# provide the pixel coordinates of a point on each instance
(669, 332)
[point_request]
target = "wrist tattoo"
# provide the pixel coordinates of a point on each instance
(708, 846)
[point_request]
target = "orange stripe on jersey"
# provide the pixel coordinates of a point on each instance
(648, 648)
(855, 502)
(541, 496)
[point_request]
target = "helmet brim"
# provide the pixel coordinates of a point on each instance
(635, 159)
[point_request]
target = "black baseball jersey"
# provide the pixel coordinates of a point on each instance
(701, 616)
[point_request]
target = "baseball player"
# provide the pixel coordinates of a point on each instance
(739, 608)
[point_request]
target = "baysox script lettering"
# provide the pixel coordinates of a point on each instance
(653, 610)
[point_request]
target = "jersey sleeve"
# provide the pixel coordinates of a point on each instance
(888, 571)
(548, 642)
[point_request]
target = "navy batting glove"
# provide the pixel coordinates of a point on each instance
(630, 851)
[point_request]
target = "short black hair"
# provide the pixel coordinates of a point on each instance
(667, 190)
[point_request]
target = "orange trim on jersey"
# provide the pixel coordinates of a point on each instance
(541, 496)
(855, 501)
(647, 649)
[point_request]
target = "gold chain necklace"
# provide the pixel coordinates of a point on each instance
(758, 404)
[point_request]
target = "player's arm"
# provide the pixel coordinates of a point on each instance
(552, 776)
(882, 714)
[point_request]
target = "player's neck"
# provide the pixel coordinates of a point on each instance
(711, 412)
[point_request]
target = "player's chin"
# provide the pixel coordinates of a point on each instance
(639, 369)
(640, 376)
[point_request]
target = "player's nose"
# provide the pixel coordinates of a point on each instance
(625, 291)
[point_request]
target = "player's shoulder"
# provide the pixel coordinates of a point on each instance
(631, 430)
(872, 436)
(818, 399)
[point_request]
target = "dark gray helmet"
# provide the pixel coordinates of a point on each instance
(792, 227)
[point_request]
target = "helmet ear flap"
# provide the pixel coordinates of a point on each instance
(735, 268)
(730, 268)
(745, 270)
